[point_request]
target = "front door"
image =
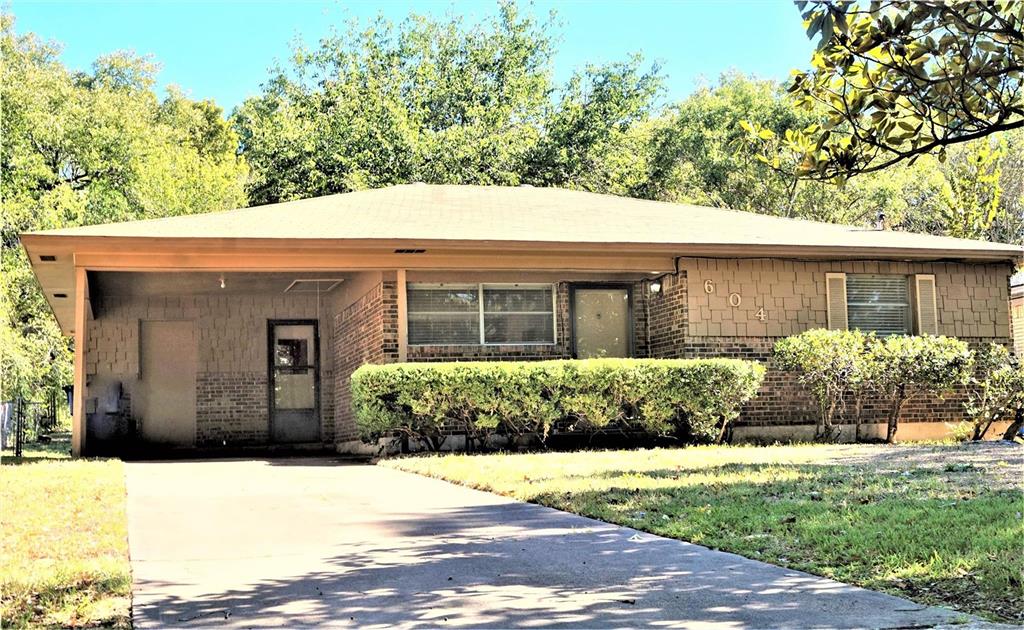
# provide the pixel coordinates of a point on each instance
(602, 321)
(294, 381)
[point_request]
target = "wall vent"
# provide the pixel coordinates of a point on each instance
(47, 258)
(410, 251)
(313, 285)
(60, 295)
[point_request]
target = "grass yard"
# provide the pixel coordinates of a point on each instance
(939, 524)
(64, 549)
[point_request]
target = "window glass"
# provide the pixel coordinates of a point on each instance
(518, 315)
(879, 303)
(511, 314)
(444, 315)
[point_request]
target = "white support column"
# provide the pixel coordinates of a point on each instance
(81, 340)
(403, 318)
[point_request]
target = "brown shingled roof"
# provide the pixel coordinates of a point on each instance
(420, 212)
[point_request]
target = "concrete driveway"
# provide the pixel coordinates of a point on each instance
(315, 542)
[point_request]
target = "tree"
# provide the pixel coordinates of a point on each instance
(995, 390)
(896, 80)
(595, 137)
(429, 100)
(442, 101)
(902, 367)
(91, 147)
(831, 363)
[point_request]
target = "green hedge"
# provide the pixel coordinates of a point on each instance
(695, 398)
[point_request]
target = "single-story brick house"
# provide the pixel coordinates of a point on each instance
(243, 327)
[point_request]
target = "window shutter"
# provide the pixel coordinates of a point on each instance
(927, 313)
(835, 294)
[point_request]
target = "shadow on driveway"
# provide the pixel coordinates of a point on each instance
(252, 543)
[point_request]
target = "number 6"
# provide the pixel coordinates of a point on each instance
(709, 286)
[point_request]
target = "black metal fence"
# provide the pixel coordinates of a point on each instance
(26, 421)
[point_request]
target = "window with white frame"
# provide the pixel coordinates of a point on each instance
(487, 314)
(879, 303)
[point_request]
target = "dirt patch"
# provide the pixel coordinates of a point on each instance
(997, 465)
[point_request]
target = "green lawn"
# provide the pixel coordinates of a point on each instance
(64, 549)
(939, 524)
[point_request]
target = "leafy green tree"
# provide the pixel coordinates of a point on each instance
(995, 390)
(832, 363)
(596, 136)
(896, 80)
(91, 147)
(901, 367)
(442, 101)
(434, 101)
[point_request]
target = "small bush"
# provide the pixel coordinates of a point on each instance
(830, 363)
(695, 398)
(904, 366)
(837, 363)
(996, 389)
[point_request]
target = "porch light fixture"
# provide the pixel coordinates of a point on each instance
(655, 286)
(223, 284)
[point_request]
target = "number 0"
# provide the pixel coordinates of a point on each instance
(735, 299)
(709, 286)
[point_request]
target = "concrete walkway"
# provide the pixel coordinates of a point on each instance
(313, 542)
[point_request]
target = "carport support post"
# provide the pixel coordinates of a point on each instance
(80, 332)
(403, 317)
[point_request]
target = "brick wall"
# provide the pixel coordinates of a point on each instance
(365, 331)
(689, 322)
(231, 375)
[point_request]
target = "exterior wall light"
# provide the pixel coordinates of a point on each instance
(656, 286)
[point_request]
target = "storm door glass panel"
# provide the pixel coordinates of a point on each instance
(519, 315)
(601, 322)
(878, 303)
(294, 411)
(443, 314)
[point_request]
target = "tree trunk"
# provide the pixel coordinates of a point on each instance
(894, 417)
(1015, 426)
(857, 410)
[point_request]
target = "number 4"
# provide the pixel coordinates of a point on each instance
(760, 314)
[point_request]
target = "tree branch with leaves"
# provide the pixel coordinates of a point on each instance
(892, 81)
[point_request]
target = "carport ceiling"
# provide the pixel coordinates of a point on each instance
(203, 283)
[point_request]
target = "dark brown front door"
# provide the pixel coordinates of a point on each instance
(294, 381)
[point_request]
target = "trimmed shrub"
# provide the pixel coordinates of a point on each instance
(830, 363)
(694, 398)
(903, 366)
(996, 389)
(837, 363)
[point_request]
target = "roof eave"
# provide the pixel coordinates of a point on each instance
(137, 244)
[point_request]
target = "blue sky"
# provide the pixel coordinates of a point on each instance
(222, 50)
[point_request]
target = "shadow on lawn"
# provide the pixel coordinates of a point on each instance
(514, 565)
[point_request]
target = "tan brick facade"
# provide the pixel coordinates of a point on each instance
(231, 376)
(365, 331)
